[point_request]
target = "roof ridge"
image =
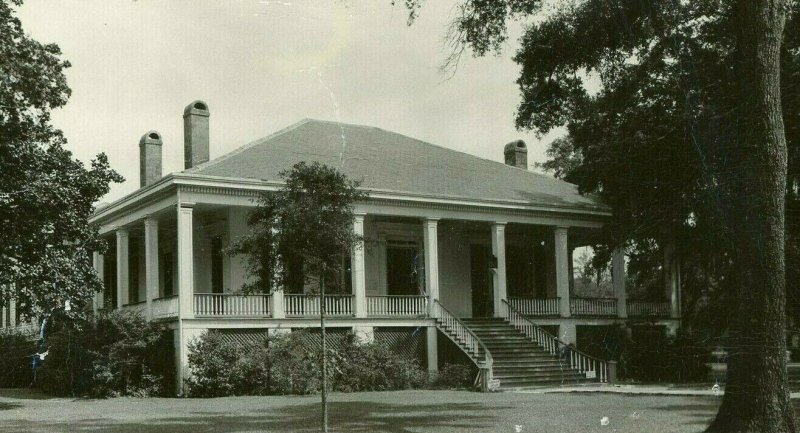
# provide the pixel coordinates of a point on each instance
(541, 175)
(247, 146)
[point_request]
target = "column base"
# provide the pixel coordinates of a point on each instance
(432, 349)
(568, 333)
(364, 334)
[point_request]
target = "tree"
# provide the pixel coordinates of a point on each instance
(298, 234)
(666, 105)
(46, 196)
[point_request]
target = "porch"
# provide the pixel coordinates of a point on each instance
(172, 265)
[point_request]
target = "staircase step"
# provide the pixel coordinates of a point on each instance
(518, 361)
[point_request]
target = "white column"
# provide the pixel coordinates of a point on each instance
(3, 314)
(432, 349)
(97, 262)
(568, 332)
(151, 262)
(123, 272)
(12, 312)
(672, 280)
(185, 261)
(357, 270)
(562, 269)
(618, 280)
(499, 274)
(278, 309)
(430, 241)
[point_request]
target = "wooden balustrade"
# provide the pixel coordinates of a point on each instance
(397, 306)
(309, 305)
(138, 307)
(593, 306)
(466, 340)
(649, 309)
(576, 359)
(165, 307)
(231, 305)
(535, 307)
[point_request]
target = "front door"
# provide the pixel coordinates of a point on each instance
(481, 276)
(401, 271)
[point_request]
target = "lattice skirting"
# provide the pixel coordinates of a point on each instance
(407, 342)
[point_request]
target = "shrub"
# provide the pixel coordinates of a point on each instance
(15, 362)
(116, 354)
(671, 359)
(374, 367)
(455, 376)
(288, 364)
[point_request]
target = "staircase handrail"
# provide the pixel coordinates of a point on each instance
(554, 345)
(475, 346)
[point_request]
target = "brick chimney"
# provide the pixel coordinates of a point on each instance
(149, 158)
(195, 134)
(516, 154)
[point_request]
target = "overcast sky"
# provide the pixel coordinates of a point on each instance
(263, 65)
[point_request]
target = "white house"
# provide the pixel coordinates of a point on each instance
(470, 249)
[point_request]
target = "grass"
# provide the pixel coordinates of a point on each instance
(394, 412)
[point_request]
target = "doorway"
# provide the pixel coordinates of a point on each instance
(481, 278)
(402, 277)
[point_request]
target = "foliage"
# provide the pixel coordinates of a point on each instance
(15, 363)
(301, 229)
(46, 196)
(286, 364)
(117, 354)
(455, 376)
(678, 359)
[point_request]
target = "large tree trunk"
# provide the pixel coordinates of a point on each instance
(754, 181)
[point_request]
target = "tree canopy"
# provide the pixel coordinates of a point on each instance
(673, 113)
(46, 195)
(301, 229)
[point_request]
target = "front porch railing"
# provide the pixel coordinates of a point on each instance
(648, 309)
(535, 307)
(586, 364)
(309, 305)
(138, 307)
(231, 305)
(166, 307)
(593, 306)
(397, 306)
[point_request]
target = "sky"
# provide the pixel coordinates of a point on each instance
(262, 65)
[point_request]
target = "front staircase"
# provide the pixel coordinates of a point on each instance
(518, 361)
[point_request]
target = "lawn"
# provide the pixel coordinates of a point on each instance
(396, 412)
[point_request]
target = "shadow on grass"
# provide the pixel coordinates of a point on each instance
(361, 416)
(9, 406)
(24, 394)
(698, 413)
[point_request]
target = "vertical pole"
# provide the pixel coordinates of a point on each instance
(357, 269)
(324, 350)
(151, 263)
(562, 269)
(499, 275)
(618, 280)
(123, 272)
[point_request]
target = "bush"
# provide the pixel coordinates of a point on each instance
(288, 364)
(456, 376)
(116, 354)
(671, 359)
(15, 362)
